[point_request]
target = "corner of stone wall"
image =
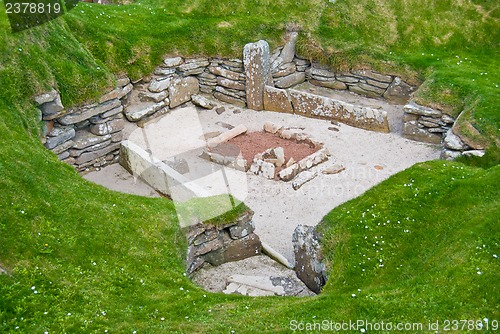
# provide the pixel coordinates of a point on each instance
(87, 136)
(218, 244)
(433, 126)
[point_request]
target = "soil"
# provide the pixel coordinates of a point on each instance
(252, 143)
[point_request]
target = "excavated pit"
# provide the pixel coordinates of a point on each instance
(366, 158)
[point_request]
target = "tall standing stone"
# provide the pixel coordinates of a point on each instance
(256, 58)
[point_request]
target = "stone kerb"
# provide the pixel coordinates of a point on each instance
(311, 105)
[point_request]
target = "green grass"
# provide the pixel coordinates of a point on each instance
(421, 241)
(214, 210)
(102, 260)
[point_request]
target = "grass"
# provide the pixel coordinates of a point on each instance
(406, 244)
(100, 260)
(216, 210)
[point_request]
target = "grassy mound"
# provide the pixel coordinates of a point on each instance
(83, 259)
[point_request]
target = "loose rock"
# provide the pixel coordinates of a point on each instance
(335, 169)
(302, 179)
(201, 101)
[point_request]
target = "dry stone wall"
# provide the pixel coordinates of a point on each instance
(434, 126)
(362, 82)
(289, 69)
(218, 244)
(425, 124)
(87, 136)
(222, 78)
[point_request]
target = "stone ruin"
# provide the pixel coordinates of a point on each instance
(90, 136)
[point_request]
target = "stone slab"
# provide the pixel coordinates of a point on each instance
(413, 108)
(232, 84)
(236, 250)
(277, 100)
(220, 71)
(334, 84)
(181, 90)
(89, 156)
(46, 97)
(229, 99)
(87, 112)
(412, 131)
(290, 80)
(312, 105)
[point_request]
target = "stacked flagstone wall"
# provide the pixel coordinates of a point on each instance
(218, 244)
(87, 136)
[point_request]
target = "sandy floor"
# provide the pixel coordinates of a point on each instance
(369, 158)
(116, 178)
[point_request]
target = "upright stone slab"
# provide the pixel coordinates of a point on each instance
(182, 89)
(288, 51)
(309, 265)
(256, 58)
